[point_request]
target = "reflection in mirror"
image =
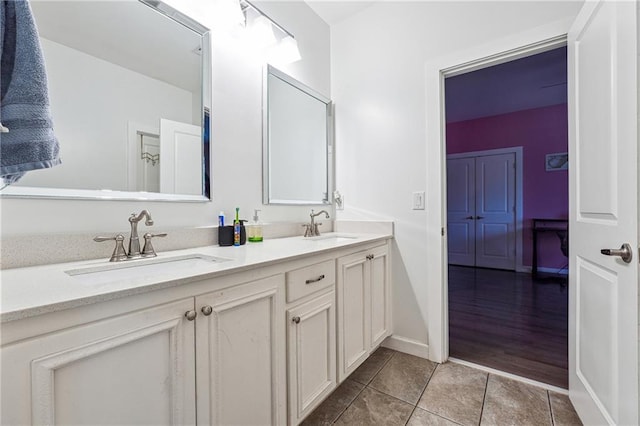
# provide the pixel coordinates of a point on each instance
(297, 134)
(129, 85)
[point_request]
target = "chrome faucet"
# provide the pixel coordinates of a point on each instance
(134, 241)
(312, 228)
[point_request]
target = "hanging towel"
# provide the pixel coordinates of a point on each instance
(29, 143)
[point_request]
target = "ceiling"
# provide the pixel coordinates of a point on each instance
(129, 34)
(531, 82)
(334, 11)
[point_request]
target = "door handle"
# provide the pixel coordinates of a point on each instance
(469, 217)
(625, 252)
(479, 217)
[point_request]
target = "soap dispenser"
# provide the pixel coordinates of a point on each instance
(254, 229)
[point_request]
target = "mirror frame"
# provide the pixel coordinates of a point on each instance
(271, 70)
(107, 194)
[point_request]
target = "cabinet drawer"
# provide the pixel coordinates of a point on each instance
(304, 281)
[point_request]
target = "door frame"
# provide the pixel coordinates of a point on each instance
(517, 150)
(527, 43)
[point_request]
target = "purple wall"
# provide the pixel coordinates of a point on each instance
(539, 131)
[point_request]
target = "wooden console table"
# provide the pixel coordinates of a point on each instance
(544, 225)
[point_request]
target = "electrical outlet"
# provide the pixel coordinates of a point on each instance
(418, 200)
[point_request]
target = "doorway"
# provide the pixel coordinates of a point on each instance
(500, 315)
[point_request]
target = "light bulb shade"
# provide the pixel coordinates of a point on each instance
(260, 33)
(226, 15)
(286, 52)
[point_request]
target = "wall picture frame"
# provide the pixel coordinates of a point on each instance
(557, 161)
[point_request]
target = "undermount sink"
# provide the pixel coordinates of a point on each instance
(333, 237)
(141, 268)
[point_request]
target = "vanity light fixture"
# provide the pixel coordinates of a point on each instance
(280, 49)
(260, 33)
(227, 15)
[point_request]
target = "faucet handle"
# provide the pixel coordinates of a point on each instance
(119, 252)
(308, 232)
(148, 250)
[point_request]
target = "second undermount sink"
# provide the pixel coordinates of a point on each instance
(141, 268)
(333, 237)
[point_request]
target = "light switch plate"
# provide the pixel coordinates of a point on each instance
(418, 200)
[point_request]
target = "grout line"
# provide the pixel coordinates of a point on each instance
(484, 399)
(550, 409)
(352, 401)
(410, 415)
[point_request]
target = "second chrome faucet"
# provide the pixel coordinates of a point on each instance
(312, 227)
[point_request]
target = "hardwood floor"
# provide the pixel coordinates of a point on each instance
(509, 321)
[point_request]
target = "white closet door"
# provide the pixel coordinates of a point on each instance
(495, 211)
(461, 211)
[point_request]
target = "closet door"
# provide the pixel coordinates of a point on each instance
(461, 211)
(495, 211)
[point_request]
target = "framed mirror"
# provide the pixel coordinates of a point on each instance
(297, 142)
(130, 96)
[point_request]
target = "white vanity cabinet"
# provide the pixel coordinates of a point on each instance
(263, 344)
(132, 368)
(311, 350)
(364, 306)
(139, 367)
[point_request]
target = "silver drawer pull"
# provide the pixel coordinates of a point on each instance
(315, 280)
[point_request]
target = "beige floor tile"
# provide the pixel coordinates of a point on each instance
(404, 377)
(375, 408)
(335, 404)
(421, 417)
(455, 392)
(562, 410)
(509, 402)
(372, 365)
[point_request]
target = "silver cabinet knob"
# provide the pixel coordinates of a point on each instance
(191, 315)
(296, 320)
(206, 310)
(625, 252)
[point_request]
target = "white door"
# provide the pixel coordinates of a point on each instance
(136, 368)
(481, 216)
(180, 158)
(495, 211)
(461, 211)
(603, 173)
(312, 354)
(240, 355)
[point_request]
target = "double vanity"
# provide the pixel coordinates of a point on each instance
(258, 334)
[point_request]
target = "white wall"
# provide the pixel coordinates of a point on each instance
(94, 135)
(236, 141)
(378, 61)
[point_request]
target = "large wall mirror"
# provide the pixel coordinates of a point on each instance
(297, 138)
(130, 95)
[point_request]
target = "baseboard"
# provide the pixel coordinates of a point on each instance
(408, 346)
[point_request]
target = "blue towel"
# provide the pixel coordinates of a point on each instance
(24, 101)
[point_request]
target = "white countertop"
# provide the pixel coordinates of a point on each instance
(31, 291)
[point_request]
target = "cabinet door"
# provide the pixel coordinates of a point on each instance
(312, 355)
(131, 369)
(240, 355)
(380, 295)
(354, 316)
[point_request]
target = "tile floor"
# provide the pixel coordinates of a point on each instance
(393, 388)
